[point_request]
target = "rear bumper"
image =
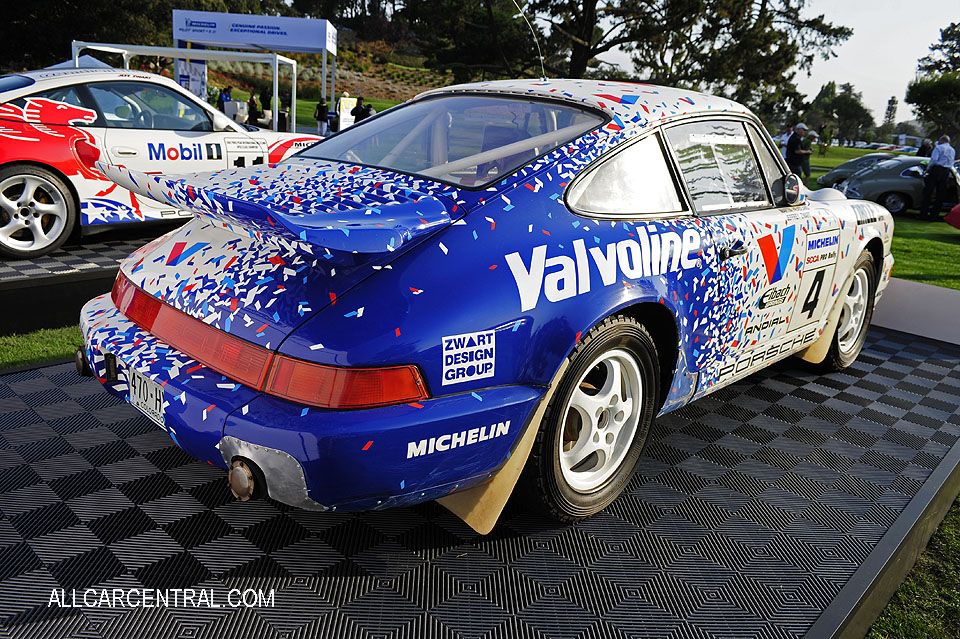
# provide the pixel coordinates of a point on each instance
(315, 458)
(885, 272)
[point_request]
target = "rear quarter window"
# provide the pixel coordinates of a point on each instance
(635, 181)
(13, 82)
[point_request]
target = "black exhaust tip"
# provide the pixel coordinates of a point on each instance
(80, 361)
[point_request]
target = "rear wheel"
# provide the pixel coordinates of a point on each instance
(37, 212)
(595, 427)
(895, 202)
(855, 315)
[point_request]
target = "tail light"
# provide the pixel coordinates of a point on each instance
(334, 387)
(245, 362)
(293, 379)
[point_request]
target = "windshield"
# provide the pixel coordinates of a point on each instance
(886, 164)
(464, 140)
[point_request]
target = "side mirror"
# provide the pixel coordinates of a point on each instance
(791, 189)
(221, 122)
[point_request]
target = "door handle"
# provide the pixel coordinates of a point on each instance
(726, 252)
(124, 151)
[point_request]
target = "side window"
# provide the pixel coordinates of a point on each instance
(718, 165)
(54, 114)
(912, 172)
(635, 181)
(768, 162)
(139, 105)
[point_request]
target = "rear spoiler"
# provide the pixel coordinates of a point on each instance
(288, 221)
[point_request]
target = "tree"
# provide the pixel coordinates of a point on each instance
(745, 49)
(853, 118)
(39, 32)
(908, 128)
(944, 55)
(473, 37)
(890, 117)
(936, 99)
(820, 110)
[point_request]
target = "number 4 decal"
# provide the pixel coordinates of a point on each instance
(813, 297)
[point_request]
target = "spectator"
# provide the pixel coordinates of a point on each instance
(926, 148)
(795, 151)
(807, 145)
(266, 97)
(783, 139)
(253, 112)
(936, 177)
(223, 98)
(370, 110)
(359, 112)
(320, 115)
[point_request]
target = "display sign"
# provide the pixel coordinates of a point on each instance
(191, 74)
(344, 107)
(242, 31)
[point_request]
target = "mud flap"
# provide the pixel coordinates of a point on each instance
(817, 352)
(480, 507)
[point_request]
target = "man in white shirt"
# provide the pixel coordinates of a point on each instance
(939, 172)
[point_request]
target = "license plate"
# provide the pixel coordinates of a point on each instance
(146, 395)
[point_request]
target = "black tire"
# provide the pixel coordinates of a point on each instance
(894, 202)
(844, 352)
(543, 484)
(40, 231)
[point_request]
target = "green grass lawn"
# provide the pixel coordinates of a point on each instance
(927, 252)
(927, 604)
(40, 346)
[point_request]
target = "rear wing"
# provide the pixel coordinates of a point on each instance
(292, 222)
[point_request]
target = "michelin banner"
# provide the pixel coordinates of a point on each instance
(241, 31)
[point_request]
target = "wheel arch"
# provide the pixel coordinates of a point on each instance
(875, 246)
(661, 323)
(907, 199)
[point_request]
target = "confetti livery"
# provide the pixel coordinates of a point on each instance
(400, 324)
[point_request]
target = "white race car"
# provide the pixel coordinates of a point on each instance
(56, 124)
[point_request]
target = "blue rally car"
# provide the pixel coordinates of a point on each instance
(491, 285)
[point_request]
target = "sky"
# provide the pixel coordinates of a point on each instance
(880, 58)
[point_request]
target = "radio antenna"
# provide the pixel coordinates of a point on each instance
(543, 73)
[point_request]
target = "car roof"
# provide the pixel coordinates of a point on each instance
(629, 104)
(57, 77)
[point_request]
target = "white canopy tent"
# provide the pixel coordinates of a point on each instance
(129, 51)
(270, 33)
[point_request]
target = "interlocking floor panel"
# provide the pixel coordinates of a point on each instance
(752, 509)
(90, 256)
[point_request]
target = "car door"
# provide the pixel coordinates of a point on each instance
(152, 128)
(764, 300)
(58, 120)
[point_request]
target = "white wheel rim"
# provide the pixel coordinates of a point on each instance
(599, 424)
(33, 213)
(854, 312)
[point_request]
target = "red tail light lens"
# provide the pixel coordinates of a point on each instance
(293, 379)
(333, 387)
(245, 362)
